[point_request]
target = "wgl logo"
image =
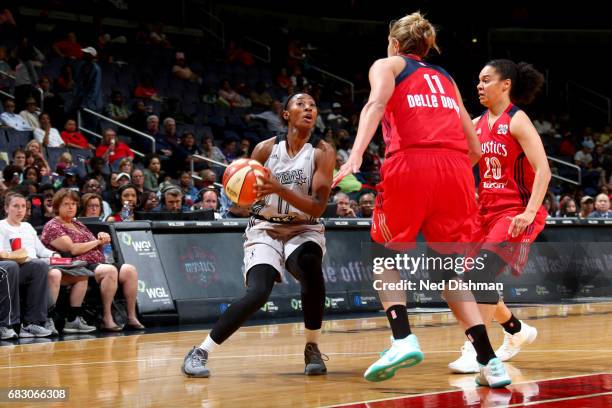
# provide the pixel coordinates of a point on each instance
(152, 293)
(139, 246)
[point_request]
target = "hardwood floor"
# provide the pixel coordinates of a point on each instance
(263, 365)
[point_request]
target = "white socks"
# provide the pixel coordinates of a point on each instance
(209, 345)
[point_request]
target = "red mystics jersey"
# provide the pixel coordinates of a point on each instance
(506, 177)
(423, 110)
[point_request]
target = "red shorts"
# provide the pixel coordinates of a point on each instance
(491, 233)
(425, 190)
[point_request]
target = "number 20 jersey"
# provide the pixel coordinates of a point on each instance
(506, 176)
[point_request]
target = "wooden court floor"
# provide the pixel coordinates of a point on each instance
(263, 365)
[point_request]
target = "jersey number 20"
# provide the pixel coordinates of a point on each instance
(493, 168)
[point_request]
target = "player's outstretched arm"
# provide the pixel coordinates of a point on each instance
(382, 85)
(315, 204)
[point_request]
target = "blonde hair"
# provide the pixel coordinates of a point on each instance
(415, 34)
(65, 157)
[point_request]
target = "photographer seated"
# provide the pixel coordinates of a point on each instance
(171, 200)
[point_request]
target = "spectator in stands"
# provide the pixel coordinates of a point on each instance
(229, 97)
(12, 176)
(583, 157)
(138, 180)
(235, 53)
(126, 165)
(26, 78)
(602, 207)
(586, 206)
(65, 82)
(47, 192)
(170, 134)
(153, 126)
(73, 138)
(123, 179)
(69, 47)
(171, 199)
(209, 200)
(10, 119)
(30, 113)
(211, 151)
(91, 206)
(186, 150)
(47, 135)
(32, 274)
(366, 205)
(282, 79)
(99, 171)
(190, 193)
(117, 109)
(208, 177)
(146, 90)
(335, 119)
(9, 301)
(229, 149)
(66, 234)
(350, 183)
(244, 149)
(343, 143)
(93, 186)
(152, 172)
(111, 149)
(150, 201)
(13, 226)
(298, 80)
(138, 118)
(32, 174)
(88, 83)
(601, 160)
(157, 36)
(180, 69)
(127, 193)
(343, 206)
(567, 208)
(19, 159)
(271, 118)
(550, 204)
(53, 103)
(260, 97)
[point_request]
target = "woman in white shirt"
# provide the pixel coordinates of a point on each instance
(48, 136)
(12, 227)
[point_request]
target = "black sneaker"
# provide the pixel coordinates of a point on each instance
(315, 360)
(194, 364)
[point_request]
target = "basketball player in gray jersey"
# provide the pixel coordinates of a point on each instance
(283, 233)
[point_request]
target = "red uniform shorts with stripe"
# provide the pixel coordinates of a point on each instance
(491, 233)
(425, 190)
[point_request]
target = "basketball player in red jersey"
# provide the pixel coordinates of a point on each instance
(514, 177)
(426, 182)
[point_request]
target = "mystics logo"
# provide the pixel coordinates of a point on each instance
(200, 266)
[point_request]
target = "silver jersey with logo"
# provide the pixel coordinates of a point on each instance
(294, 173)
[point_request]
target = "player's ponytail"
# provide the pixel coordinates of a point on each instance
(526, 81)
(415, 34)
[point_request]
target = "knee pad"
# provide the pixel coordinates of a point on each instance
(305, 261)
(260, 281)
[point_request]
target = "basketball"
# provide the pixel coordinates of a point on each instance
(239, 180)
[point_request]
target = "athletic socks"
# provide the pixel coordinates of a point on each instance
(477, 335)
(512, 326)
(398, 319)
(209, 344)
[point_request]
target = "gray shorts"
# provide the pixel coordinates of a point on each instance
(272, 243)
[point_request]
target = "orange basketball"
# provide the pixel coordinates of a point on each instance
(239, 179)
